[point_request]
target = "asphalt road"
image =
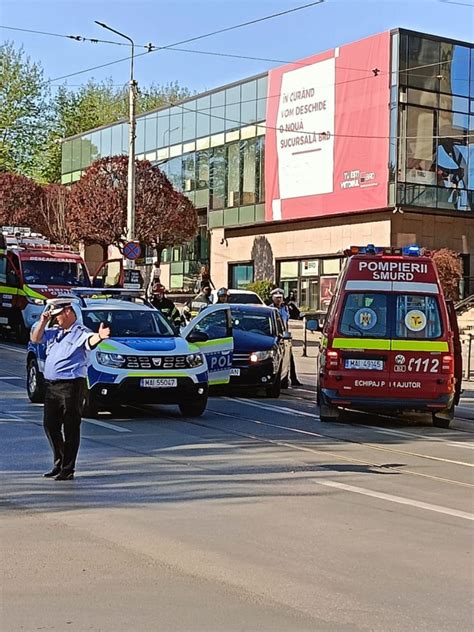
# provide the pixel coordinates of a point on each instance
(253, 517)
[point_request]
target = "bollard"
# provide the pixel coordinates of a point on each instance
(304, 354)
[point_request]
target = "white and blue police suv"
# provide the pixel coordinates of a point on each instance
(145, 361)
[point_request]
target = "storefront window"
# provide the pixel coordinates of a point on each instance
(241, 274)
(331, 266)
(289, 269)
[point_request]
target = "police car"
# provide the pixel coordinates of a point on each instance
(145, 361)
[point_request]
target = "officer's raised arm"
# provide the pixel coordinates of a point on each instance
(37, 332)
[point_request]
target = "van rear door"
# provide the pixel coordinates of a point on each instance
(419, 342)
(364, 346)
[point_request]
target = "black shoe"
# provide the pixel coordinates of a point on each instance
(296, 383)
(54, 472)
(64, 475)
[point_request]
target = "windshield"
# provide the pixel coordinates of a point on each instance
(126, 323)
(53, 272)
(364, 315)
(254, 322)
(417, 317)
(245, 299)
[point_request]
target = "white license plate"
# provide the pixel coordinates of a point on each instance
(235, 371)
(365, 365)
(158, 382)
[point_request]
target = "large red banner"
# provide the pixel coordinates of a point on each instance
(327, 138)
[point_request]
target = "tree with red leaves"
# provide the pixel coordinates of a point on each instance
(449, 268)
(20, 200)
(53, 216)
(98, 206)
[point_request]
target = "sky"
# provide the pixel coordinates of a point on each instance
(163, 22)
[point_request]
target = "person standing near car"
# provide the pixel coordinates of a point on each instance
(277, 296)
(222, 295)
(165, 305)
(65, 370)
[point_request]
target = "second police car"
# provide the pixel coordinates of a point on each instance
(145, 361)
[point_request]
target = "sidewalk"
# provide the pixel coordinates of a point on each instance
(306, 367)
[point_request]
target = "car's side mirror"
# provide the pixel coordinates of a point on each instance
(312, 325)
(197, 336)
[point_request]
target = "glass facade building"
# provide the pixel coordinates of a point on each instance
(212, 148)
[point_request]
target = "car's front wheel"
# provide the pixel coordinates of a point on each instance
(193, 409)
(275, 389)
(34, 382)
(89, 406)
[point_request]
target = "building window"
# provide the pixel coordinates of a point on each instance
(217, 172)
(240, 275)
(202, 170)
(189, 121)
(150, 133)
(233, 175)
(189, 172)
(232, 108)
(248, 162)
(217, 112)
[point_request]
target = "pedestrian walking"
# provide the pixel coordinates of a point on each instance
(277, 296)
(65, 370)
(204, 279)
(165, 305)
(155, 278)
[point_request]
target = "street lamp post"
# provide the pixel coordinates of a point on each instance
(132, 95)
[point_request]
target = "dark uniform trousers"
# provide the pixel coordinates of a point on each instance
(62, 414)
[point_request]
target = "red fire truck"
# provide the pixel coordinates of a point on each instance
(390, 340)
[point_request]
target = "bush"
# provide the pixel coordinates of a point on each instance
(262, 288)
(449, 268)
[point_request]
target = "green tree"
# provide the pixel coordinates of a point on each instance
(25, 115)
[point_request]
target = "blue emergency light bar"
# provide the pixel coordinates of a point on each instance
(370, 249)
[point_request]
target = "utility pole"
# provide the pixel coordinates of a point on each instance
(132, 96)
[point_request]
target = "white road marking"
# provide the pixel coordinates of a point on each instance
(397, 499)
(104, 424)
(292, 411)
(23, 351)
(468, 446)
(11, 377)
(267, 407)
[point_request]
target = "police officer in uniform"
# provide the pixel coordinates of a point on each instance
(277, 295)
(198, 303)
(65, 369)
(165, 305)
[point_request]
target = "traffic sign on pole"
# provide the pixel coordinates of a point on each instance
(132, 250)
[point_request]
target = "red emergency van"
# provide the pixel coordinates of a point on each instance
(390, 340)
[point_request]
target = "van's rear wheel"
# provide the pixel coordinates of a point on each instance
(443, 418)
(327, 412)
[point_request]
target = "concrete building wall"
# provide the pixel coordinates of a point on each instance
(265, 245)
